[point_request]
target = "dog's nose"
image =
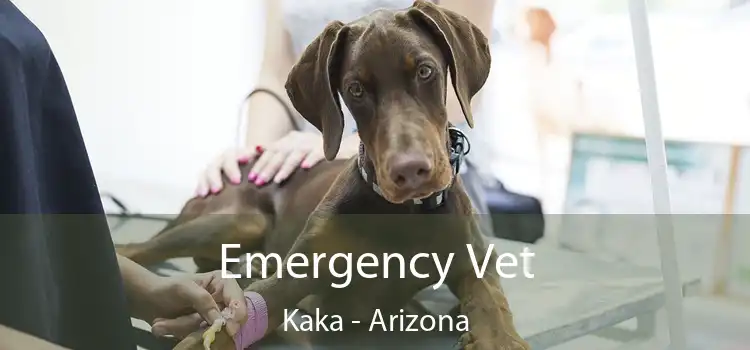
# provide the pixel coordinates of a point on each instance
(410, 170)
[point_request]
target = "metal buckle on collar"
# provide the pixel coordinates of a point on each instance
(458, 148)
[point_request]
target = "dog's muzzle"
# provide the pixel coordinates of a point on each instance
(458, 147)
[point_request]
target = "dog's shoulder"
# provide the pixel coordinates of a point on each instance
(344, 188)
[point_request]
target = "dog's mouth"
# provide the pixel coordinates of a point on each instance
(439, 182)
(400, 197)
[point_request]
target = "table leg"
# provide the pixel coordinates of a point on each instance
(645, 329)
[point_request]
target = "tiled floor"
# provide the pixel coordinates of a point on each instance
(710, 324)
(717, 324)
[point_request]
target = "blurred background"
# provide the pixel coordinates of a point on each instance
(158, 87)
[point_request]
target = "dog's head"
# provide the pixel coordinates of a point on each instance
(391, 69)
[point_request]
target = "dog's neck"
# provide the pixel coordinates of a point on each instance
(458, 147)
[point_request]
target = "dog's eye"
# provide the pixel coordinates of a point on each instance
(355, 89)
(424, 71)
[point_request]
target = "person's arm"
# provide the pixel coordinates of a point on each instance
(479, 12)
(11, 339)
(267, 119)
(137, 281)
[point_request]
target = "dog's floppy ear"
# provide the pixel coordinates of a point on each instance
(464, 46)
(313, 86)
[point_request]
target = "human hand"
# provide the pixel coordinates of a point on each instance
(279, 159)
(228, 163)
(274, 162)
(179, 305)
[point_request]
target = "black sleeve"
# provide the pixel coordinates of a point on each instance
(60, 278)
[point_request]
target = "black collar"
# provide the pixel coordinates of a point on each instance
(458, 147)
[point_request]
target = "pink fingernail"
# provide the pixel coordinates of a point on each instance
(252, 176)
(215, 189)
(260, 182)
(243, 159)
(235, 180)
(305, 166)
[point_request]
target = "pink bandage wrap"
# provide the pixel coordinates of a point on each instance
(257, 321)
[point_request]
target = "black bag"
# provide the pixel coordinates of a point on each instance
(515, 216)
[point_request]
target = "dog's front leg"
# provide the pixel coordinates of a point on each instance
(483, 302)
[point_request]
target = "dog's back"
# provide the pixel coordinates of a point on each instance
(305, 187)
(267, 218)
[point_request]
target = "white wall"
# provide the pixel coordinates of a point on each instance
(157, 85)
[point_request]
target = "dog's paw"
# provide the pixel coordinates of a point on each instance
(463, 341)
(497, 345)
(467, 341)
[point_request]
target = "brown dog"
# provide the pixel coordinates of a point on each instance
(402, 194)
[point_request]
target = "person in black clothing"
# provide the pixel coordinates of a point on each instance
(62, 285)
